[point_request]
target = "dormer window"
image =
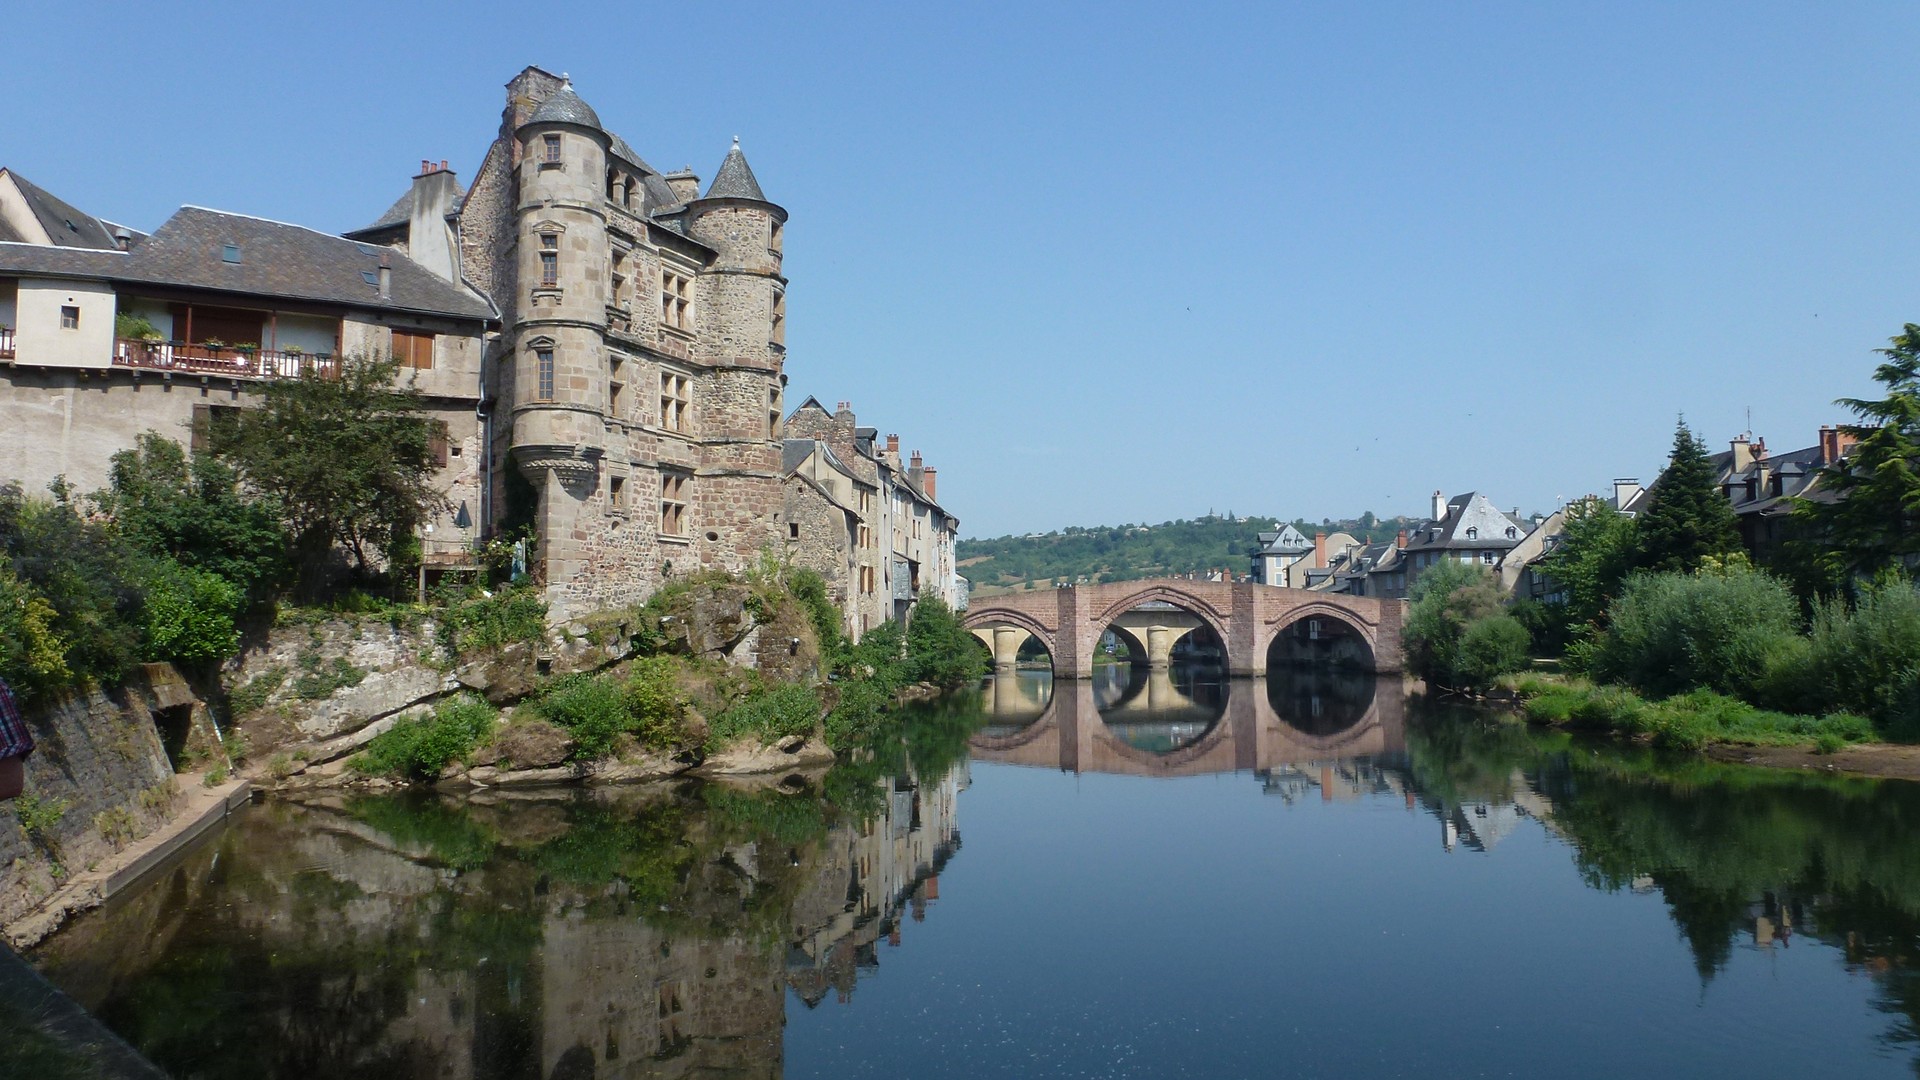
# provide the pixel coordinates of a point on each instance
(1473, 533)
(1512, 533)
(552, 149)
(230, 253)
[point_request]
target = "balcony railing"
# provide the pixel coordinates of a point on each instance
(209, 360)
(6, 344)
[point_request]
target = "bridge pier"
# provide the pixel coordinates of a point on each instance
(1005, 643)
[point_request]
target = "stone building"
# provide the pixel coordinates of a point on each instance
(636, 384)
(106, 333)
(866, 521)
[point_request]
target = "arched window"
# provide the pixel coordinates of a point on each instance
(1512, 532)
(1473, 533)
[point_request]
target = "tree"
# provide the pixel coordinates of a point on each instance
(1689, 520)
(346, 457)
(194, 513)
(1591, 560)
(1872, 521)
(939, 649)
(1457, 633)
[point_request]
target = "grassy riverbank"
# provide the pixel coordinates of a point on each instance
(1693, 720)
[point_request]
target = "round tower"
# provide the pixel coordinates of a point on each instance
(559, 315)
(741, 312)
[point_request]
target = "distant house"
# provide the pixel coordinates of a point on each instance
(1278, 554)
(1466, 528)
(1762, 486)
(1518, 570)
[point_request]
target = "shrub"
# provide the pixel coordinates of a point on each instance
(33, 657)
(190, 615)
(1491, 647)
(517, 614)
(1449, 601)
(319, 679)
(1869, 655)
(810, 590)
(768, 716)
(593, 709)
(1674, 632)
(939, 650)
(419, 748)
(1828, 743)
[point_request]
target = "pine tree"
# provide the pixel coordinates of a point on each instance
(1873, 521)
(1689, 519)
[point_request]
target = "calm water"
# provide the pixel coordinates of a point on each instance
(1166, 876)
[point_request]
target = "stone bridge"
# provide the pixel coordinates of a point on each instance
(1151, 616)
(1071, 733)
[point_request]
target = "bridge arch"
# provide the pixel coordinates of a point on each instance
(990, 626)
(1278, 627)
(1131, 614)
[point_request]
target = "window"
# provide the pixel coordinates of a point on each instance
(230, 253)
(673, 401)
(552, 149)
(793, 530)
(206, 418)
(616, 492)
(413, 349)
(673, 504)
(866, 537)
(613, 397)
(543, 373)
(1473, 533)
(773, 413)
(779, 336)
(676, 295)
(437, 444)
(1512, 532)
(549, 260)
(866, 581)
(776, 237)
(69, 317)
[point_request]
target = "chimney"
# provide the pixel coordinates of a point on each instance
(1401, 540)
(915, 470)
(1843, 441)
(893, 445)
(685, 185)
(1625, 490)
(386, 278)
(1439, 507)
(1742, 453)
(430, 239)
(1319, 551)
(122, 239)
(928, 481)
(1760, 449)
(1826, 444)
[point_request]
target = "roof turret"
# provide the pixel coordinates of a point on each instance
(565, 107)
(735, 180)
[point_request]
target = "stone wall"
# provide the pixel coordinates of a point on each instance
(98, 777)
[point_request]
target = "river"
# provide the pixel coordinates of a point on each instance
(1167, 876)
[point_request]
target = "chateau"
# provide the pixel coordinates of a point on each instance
(602, 342)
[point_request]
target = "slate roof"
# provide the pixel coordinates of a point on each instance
(401, 212)
(1287, 541)
(69, 227)
(91, 263)
(1471, 511)
(735, 179)
(565, 107)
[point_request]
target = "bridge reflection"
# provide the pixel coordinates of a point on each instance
(1187, 722)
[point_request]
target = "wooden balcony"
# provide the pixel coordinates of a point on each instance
(205, 360)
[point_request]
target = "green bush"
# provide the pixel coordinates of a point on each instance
(88, 579)
(420, 747)
(810, 590)
(1450, 603)
(1492, 647)
(1868, 656)
(939, 650)
(858, 715)
(597, 709)
(33, 656)
(1717, 629)
(190, 615)
(767, 716)
(481, 622)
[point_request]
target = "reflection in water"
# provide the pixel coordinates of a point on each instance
(1322, 700)
(634, 933)
(1159, 710)
(688, 930)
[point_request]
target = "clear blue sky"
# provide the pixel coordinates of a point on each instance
(1106, 263)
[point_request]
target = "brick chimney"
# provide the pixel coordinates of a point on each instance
(1400, 541)
(893, 445)
(928, 479)
(685, 185)
(1319, 551)
(916, 471)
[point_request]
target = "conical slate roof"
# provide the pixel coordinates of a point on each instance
(565, 107)
(735, 180)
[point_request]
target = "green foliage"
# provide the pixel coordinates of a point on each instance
(939, 650)
(1867, 656)
(480, 621)
(1675, 632)
(597, 709)
(33, 656)
(1689, 519)
(1685, 721)
(1132, 552)
(810, 590)
(38, 815)
(1873, 524)
(767, 716)
(248, 697)
(190, 615)
(346, 458)
(320, 677)
(1456, 633)
(447, 831)
(418, 748)
(193, 512)
(1591, 560)
(89, 582)
(134, 327)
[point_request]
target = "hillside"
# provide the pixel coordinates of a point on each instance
(1130, 552)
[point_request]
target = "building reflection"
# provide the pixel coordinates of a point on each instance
(553, 935)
